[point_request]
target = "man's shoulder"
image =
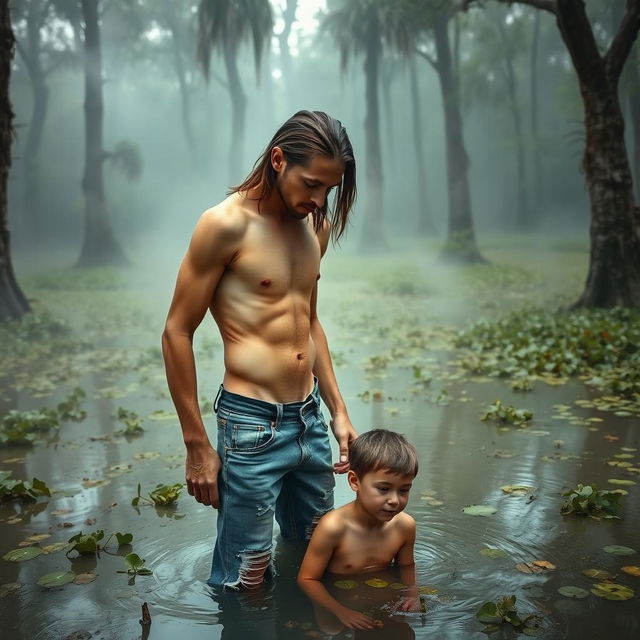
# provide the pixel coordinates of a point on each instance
(228, 217)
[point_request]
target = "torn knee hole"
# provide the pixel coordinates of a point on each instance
(253, 566)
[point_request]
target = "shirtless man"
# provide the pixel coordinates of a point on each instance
(254, 262)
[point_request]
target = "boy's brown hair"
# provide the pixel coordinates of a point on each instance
(383, 449)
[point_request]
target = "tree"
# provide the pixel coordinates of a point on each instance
(225, 25)
(360, 27)
(614, 264)
(42, 50)
(13, 303)
(100, 246)
(433, 20)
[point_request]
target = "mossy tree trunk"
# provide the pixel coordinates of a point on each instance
(13, 303)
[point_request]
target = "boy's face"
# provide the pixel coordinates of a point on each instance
(381, 493)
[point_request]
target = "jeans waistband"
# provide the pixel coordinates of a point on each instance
(276, 411)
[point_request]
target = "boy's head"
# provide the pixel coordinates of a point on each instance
(383, 449)
(382, 467)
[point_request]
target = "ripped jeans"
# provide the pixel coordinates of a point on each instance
(276, 460)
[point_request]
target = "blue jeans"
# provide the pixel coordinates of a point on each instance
(276, 460)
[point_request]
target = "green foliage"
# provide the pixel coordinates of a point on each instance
(20, 428)
(131, 420)
(11, 489)
(135, 566)
(88, 544)
(602, 343)
(506, 413)
(504, 611)
(162, 495)
(586, 500)
(69, 408)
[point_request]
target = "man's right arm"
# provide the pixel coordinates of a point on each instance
(212, 248)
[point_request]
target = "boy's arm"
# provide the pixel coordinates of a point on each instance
(404, 560)
(323, 543)
(323, 370)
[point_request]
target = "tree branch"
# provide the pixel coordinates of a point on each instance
(432, 61)
(546, 5)
(623, 41)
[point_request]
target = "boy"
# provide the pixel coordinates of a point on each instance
(370, 533)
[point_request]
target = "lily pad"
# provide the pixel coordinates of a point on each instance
(345, 584)
(612, 591)
(84, 578)
(20, 555)
(517, 489)
(493, 553)
(619, 550)
(377, 583)
(573, 592)
(427, 591)
(479, 510)
(56, 578)
(56, 546)
(397, 586)
(626, 483)
(599, 574)
(632, 570)
(536, 566)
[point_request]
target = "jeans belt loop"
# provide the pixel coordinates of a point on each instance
(279, 412)
(216, 402)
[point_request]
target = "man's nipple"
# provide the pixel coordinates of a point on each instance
(265, 283)
(300, 356)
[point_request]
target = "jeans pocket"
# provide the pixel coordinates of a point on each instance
(248, 434)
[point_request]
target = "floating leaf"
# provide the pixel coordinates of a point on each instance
(377, 583)
(632, 570)
(619, 550)
(20, 555)
(626, 483)
(599, 574)
(53, 548)
(517, 489)
(56, 578)
(536, 566)
(573, 592)
(612, 591)
(397, 586)
(493, 553)
(428, 591)
(345, 584)
(479, 510)
(85, 578)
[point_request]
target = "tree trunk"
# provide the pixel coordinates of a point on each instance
(177, 44)
(522, 217)
(100, 246)
(239, 112)
(425, 222)
(632, 76)
(614, 265)
(373, 236)
(13, 303)
(537, 196)
(33, 63)
(461, 243)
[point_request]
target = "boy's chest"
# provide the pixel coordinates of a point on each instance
(359, 552)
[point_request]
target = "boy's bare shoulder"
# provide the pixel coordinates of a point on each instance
(332, 524)
(405, 523)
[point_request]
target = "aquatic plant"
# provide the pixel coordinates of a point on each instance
(587, 500)
(12, 489)
(88, 543)
(135, 566)
(131, 420)
(506, 413)
(604, 343)
(504, 611)
(162, 495)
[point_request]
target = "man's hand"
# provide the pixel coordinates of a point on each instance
(201, 473)
(344, 433)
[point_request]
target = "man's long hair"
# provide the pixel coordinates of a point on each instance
(304, 135)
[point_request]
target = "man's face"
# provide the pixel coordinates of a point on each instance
(305, 189)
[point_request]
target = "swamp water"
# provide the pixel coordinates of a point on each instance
(411, 385)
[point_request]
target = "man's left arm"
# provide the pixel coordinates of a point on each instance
(323, 370)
